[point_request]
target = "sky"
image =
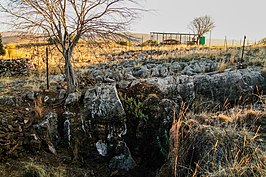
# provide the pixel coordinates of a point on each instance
(233, 18)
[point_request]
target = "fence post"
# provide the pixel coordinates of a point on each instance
(47, 68)
(243, 49)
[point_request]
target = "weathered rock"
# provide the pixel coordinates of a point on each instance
(99, 78)
(173, 87)
(155, 72)
(94, 73)
(188, 71)
(31, 95)
(57, 78)
(109, 80)
(129, 77)
(73, 98)
(163, 71)
(62, 94)
(218, 86)
(176, 67)
(15, 67)
(68, 116)
(101, 148)
(229, 85)
(47, 130)
(101, 103)
(10, 100)
(141, 71)
(123, 160)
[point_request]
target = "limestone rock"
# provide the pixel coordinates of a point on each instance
(101, 103)
(123, 160)
(9, 100)
(101, 148)
(73, 98)
(229, 85)
(47, 129)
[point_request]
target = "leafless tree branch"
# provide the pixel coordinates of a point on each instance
(67, 21)
(201, 25)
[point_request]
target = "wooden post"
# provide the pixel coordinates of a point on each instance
(210, 40)
(142, 42)
(47, 68)
(243, 49)
(225, 43)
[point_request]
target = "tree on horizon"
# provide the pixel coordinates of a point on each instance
(201, 25)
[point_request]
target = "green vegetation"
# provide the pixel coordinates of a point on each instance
(149, 43)
(2, 50)
(124, 43)
(132, 106)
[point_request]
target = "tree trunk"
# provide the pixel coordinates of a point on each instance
(198, 39)
(69, 71)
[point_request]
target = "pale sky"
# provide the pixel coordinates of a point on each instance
(233, 18)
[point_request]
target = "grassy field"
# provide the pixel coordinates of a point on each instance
(224, 143)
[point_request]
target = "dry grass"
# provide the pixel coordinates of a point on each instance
(30, 169)
(36, 170)
(225, 145)
(222, 66)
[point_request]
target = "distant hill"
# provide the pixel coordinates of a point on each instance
(13, 37)
(9, 37)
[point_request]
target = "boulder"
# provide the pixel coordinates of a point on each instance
(175, 67)
(101, 103)
(10, 100)
(47, 131)
(229, 85)
(123, 160)
(2, 85)
(31, 95)
(142, 72)
(173, 87)
(73, 98)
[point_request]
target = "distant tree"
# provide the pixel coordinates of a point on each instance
(2, 50)
(67, 21)
(262, 41)
(201, 25)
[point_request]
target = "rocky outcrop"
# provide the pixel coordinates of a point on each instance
(123, 160)
(47, 131)
(17, 67)
(101, 103)
(10, 100)
(229, 85)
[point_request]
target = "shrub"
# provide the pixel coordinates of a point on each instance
(262, 41)
(2, 50)
(124, 43)
(222, 66)
(11, 50)
(150, 43)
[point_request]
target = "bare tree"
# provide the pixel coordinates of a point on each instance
(67, 21)
(201, 25)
